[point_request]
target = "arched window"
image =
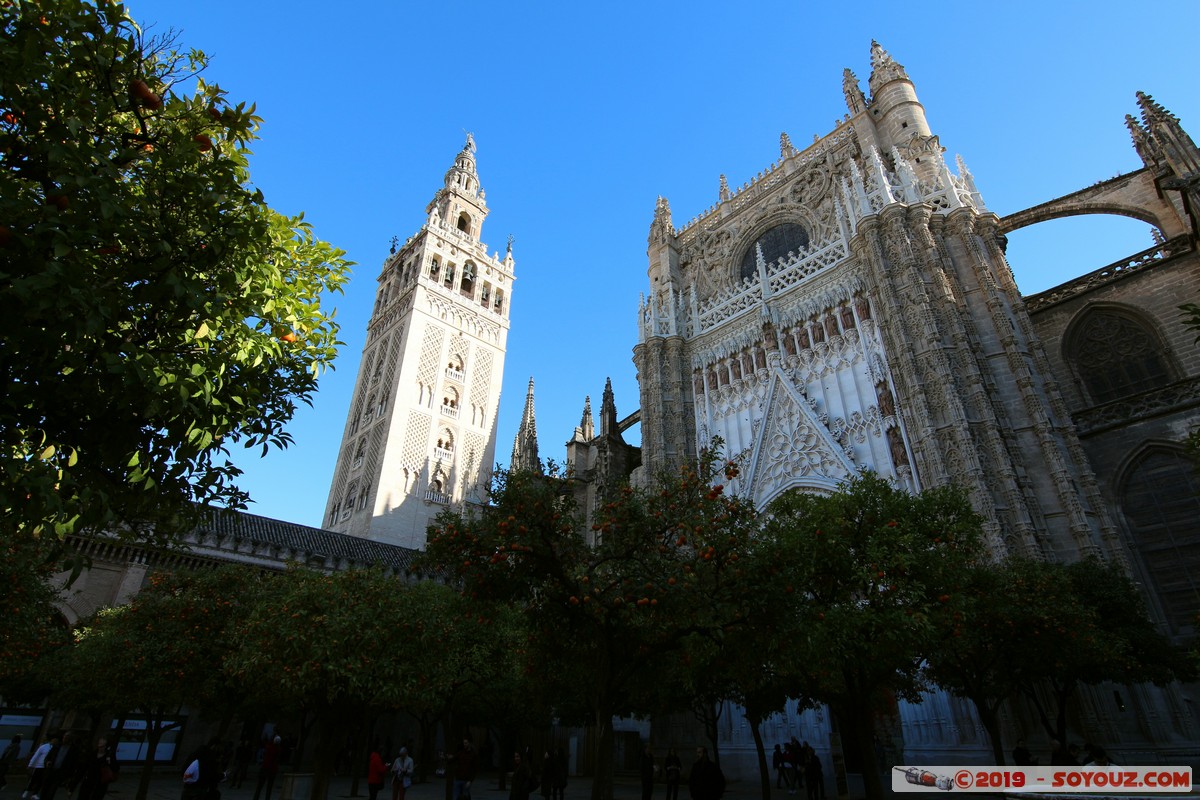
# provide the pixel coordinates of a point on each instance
(464, 223)
(1115, 354)
(776, 244)
(1161, 503)
(468, 278)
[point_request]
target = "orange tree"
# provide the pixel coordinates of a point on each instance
(1095, 628)
(154, 310)
(655, 567)
(161, 651)
(31, 626)
(343, 646)
(870, 563)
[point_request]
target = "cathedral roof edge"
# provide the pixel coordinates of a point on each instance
(771, 177)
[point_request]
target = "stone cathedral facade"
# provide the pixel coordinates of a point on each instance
(851, 308)
(421, 434)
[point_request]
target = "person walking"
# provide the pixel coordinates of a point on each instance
(37, 769)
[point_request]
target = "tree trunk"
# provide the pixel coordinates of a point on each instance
(1063, 696)
(764, 771)
(861, 721)
(602, 784)
(154, 732)
(324, 761)
(427, 729)
(989, 717)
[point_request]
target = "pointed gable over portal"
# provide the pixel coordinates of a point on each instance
(793, 448)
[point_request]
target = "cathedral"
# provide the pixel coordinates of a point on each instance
(849, 308)
(852, 308)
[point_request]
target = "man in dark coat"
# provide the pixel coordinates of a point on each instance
(706, 782)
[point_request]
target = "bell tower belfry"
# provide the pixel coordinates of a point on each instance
(421, 431)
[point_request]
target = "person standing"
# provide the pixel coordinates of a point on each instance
(561, 770)
(191, 780)
(465, 763)
(269, 768)
(376, 772)
(522, 779)
(777, 765)
(647, 769)
(402, 774)
(706, 782)
(815, 778)
(241, 763)
(62, 765)
(673, 768)
(549, 768)
(98, 773)
(8, 757)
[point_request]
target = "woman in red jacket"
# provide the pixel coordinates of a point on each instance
(376, 772)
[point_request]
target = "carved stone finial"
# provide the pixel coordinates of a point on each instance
(884, 69)
(786, 150)
(723, 192)
(856, 101)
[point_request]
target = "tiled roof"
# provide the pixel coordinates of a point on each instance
(235, 530)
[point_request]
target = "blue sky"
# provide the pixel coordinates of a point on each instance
(585, 113)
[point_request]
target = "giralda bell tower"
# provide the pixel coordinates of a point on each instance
(421, 432)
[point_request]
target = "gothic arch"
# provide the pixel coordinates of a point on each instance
(811, 485)
(1115, 350)
(1158, 494)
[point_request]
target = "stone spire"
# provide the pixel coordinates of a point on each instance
(723, 190)
(587, 428)
(1167, 138)
(608, 411)
(525, 447)
(856, 101)
(661, 228)
(1142, 144)
(884, 69)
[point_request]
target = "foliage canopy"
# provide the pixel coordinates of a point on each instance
(154, 309)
